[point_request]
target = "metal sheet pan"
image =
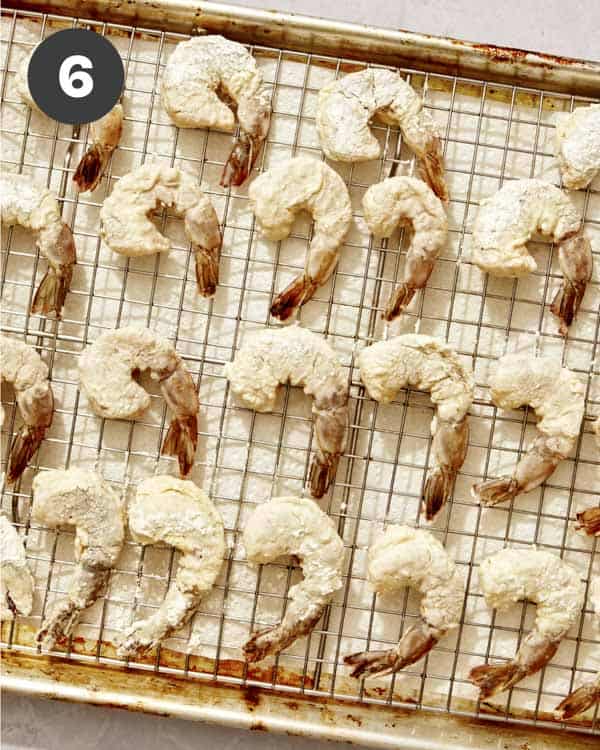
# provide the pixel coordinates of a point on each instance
(497, 124)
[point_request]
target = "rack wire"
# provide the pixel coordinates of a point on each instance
(492, 132)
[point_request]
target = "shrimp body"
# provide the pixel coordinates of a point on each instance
(577, 146)
(16, 581)
(198, 75)
(22, 366)
(82, 499)
(509, 219)
(177, 512)
(128, 229)
(401, 557)
(514, 574)
(33, 207)
(105, 135)
(275, 356)
(430, 365)
(294, 526)
(347, 106)
(283, 191)
(558, 397)
(397, 200)
(106, 370)
(588, 694)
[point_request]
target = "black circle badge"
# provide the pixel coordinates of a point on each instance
(75, 76)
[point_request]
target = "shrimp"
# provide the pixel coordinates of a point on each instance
(177, 512)
(16, 581)
(347, 106)
(106, 375)
(32, 206)
(558, 397)
(507, 221)
(541, 577)
(588, 694)
(274, 356)
(404, 556)
(577, 146)
(401, 199)
(430, 365)
(79, 498)
(105, 133)
(22, 366)
(278, 195)
(128, 229)
(294, 526)
(206, 80)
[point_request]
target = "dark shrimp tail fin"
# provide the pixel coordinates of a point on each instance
(589, 521)
(322, 474)
(181, 441)
(52, 291)
(495, 678)
(566, 303)
(292, 297)
(495, 491)
(207, 270)
(25, 444)
(431, 169)
(579, 701)
(90, 169)
(398, 301)
(438, 488)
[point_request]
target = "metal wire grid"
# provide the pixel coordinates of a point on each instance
(317, 661)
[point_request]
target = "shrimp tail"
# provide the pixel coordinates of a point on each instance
(399, 301)
(575, 259)
(293, 296)
(241, 160)
(274, 639)
(578, 701)
(494, 678)
(431, 169)
(322, 473)
(566, 303)
(496, 491)
(60, 625)
(438, 488)
(589, 521)
(207, 270)
(24, 446)
(52, 291)
(181, 441)
(416, 642)
(90, 169)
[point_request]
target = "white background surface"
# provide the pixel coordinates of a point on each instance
(534, 24)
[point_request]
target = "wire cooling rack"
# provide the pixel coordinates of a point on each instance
(492, 133)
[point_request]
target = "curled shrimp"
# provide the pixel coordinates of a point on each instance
(106, 375)
(105, 135)
(32, 206)
(22, 366)
(203, 74)
(278, 195)
(508, 220)
(274, 356)
(16, 581)
(430, 365)
(177, 512)
(577, 145)
(294, 526)
(128, 229)
(404, 556)
(82, 499)
(514, 574)
(347, 106)
(558, 397)
(588, 694)
(398, 200)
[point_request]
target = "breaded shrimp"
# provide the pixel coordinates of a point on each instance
(32, 206)
(22, 366)
(558, 397)
(347, 106)
(105, 133)
(588, 694)
(106, 375)
(283, 191)
(82, 499)
(399, 200)
(128, 229)
(274, 356)
(508, 220)
(431, 365)
(514, 574)
(294, 526)
(401, 557)
(16, 581)
(177, 512)
(577, 145)
(206, 80)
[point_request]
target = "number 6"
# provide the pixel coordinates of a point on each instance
(66, 78)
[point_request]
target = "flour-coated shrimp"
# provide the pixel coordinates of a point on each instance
(577, 145)
(16, 581)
